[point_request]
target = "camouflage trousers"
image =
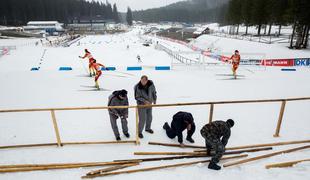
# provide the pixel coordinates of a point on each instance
(213, 145)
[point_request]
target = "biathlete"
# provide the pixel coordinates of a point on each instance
(97, 67)
(92, 71)
(235, 61)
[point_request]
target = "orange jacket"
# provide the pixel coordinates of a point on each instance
(87, 55)
(235, 59)
(97, 66)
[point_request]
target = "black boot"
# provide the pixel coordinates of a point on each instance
(127, 135)
(214, 166)
(150, 131)
(166, 126)
(140, 135)
(118, 138)
(190, 139)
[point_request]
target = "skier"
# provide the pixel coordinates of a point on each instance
(145, 94)
(216, 135)
(235, 60)
(139, 58)
(97, 67)
(92, 71)
(119, 98)
(180, 122)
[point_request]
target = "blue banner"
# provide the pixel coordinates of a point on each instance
(302, 62)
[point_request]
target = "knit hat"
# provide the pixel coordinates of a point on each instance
(123, 93)
(230, 122)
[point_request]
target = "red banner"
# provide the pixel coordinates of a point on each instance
(278, 62)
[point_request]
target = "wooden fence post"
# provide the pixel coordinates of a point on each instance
(211, 113)
(280, 119)
(56, 128)
(137, 127)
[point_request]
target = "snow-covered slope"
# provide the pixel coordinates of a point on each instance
(48, 87)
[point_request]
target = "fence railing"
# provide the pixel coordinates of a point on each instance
(177, 56)
(250, 37)
(137, 140)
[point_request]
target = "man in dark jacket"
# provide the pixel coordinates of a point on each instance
(216, 135)
(119, 98)
(180, 122)
(145, 94)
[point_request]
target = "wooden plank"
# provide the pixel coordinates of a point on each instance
(161, 158)
(280, 119)
(211, 113)
(99, 142)
(114, 168)
(66, 143)
(156, 105)
(137, 127)
(162, 167)
(176, 145)
(265, 156)
(168, 153)
(43, 167)
(56, 128)
(204, 153)
(285, 164)
(236, 147)
(28, 145)
(66, 164)
(269, 144)
(244, 150)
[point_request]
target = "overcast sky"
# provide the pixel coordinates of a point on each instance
(139, 4)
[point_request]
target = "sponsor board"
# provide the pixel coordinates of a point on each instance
(302, 62)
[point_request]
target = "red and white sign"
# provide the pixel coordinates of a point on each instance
(278, 62)
(5, 51)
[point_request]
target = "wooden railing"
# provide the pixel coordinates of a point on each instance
(137, 141)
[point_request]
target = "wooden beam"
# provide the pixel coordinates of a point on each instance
(155, 105)
(280, 119)
(243, 151)
(269, 144)
(160, 158)
(137, 127)
(66, 164)
(236, 147)
(162, 167)
(265, 156)
(169, 153)
(66, 143)
(211, 113)
(285, 164)
(114, 168)
(56, 128)
(42, 167)
(28, 145)
(176, 145)
(203, 153)
(99, 142)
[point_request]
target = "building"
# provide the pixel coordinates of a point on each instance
(93, 25)
(50, 27)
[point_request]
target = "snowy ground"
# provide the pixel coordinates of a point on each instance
(255, 123)
(226, 46)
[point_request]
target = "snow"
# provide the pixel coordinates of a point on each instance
(42, 22)
(226, 46)
(48, 87)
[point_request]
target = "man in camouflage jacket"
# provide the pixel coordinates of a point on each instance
(216, 135)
